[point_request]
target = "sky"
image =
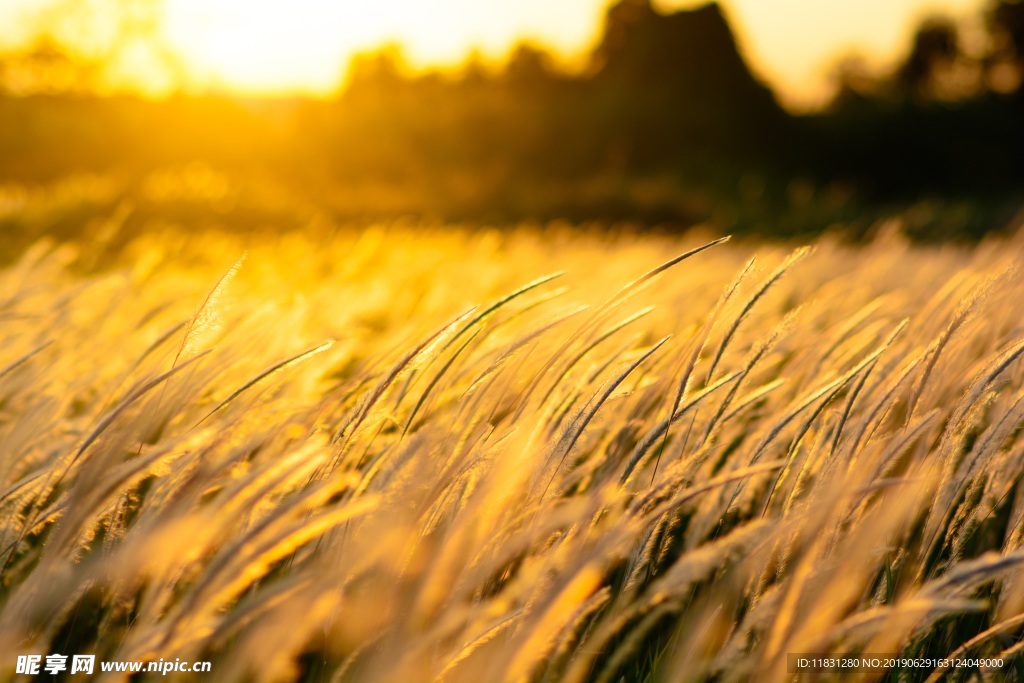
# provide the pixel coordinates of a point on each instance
(263, 47)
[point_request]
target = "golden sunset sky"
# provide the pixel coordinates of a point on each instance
(265, 47)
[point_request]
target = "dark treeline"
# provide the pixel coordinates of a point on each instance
(665, 124)
(949, 119)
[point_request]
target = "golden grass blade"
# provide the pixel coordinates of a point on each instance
(962, 651)
(424, 348)
(587, 414)
(499, 304)
(776, 275)
(276, 367)
(592, 345)
(206, 315)
(603, 311)
(661, 429)
(18, 362)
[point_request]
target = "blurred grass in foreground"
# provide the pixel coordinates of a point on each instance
(497, 474)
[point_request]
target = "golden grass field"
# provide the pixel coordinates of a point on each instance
(464, 455)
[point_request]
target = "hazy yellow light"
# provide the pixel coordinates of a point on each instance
(304, 45)
(794, 43)
(274, 45)
(277, 46)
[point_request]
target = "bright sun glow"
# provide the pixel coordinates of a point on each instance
(261, 45)
(303, 46)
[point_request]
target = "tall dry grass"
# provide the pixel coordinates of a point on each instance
(470, 456)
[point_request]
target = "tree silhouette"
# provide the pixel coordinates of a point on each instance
(1005, 22)
(936, 44)
(675, 86)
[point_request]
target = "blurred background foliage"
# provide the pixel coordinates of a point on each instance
(664, 124)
